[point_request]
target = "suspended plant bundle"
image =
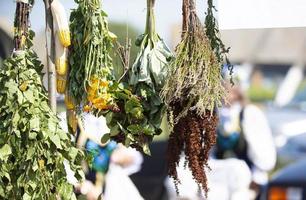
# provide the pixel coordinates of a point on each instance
(192, 93)
(133, 116)
(146, 78)
(151, 66)
(90, 61)
(33, 147)
(128, 124)
(213, 34)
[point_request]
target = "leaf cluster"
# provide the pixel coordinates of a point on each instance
(130, 124)
(33, 148)
(148, 73)
(90, 49)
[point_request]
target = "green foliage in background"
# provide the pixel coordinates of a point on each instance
(261, 93)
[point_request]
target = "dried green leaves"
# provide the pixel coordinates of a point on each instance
(152, 63)
(213, 34)
(33, 148)
(129, 125)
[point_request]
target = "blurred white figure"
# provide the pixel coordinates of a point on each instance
(123, 162)
(228, 179)
(244, 134)
(119, 186)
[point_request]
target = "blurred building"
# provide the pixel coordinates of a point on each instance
(269, 62)
(276, 56)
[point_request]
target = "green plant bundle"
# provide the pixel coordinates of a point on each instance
(194, 80)
(148, 73)
(33, 147)
(153, 59)
(92, 84)
(90, 59)
(128, 124)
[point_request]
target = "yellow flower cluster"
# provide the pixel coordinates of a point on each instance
(98, 94)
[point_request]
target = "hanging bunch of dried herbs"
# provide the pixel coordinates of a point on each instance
(147, 77)
(91, 65)
(213, 34)
(192, 93)
(33, 147)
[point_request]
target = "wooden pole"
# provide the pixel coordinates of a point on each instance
(50, 52)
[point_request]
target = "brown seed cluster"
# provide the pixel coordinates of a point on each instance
(194, 136)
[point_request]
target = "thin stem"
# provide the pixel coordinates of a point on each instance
(150, 24)
(124, 54)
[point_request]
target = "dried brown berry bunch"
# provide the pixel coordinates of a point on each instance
(193, 135)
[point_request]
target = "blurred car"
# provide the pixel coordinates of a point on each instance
(289, 128)
(294, 149)
(288, 184)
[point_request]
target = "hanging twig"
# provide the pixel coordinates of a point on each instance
(213, 33)
(124, 53)
(50, 50)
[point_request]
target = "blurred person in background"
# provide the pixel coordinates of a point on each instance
(111, 165)
(228, 179)
(151, 179)
(244, 134)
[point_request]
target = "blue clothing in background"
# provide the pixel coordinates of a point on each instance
(101, 155)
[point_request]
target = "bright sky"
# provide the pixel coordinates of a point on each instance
(238, 14)
(168, 13)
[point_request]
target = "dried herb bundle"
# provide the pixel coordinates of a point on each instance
(195, 75)
(33, 147)
(192, 93)
(213, 34)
